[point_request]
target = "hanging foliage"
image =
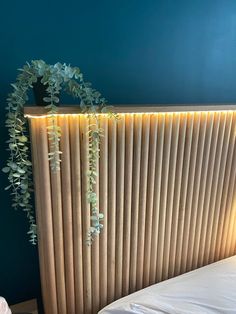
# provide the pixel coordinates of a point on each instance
(56, 78)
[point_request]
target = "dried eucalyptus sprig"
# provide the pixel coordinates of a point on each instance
(92, 104)
(18, 167)
(94, 136)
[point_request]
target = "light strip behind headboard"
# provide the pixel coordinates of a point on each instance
(167, 188)
(41, 111)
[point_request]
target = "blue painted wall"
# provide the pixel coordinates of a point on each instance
(153, 51)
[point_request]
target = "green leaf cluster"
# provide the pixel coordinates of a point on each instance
(18, 167)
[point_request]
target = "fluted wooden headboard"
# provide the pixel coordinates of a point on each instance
(167, 190)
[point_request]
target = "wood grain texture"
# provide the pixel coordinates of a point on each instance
(103, 201)
(166, 186)
(44, 217)
(147, 108)
(111, 220)
(128, 174)
(76, 185)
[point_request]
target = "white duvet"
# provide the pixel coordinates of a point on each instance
(4, 309)
(210, 289)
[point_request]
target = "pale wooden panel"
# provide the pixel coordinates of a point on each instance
(45, 218)
(147, 108)
(103, 202)
(150, 198)
(142, 199)
(170, 194)
(56, 194)
(211, 173)
(67, 215)
(183, 194)
(76, 177)
(177, 193)
(229, 250)
(87, 277)
(128, 174)
(95, 274)
(120, 191)
(112, 189)
(218, 179)
(202, 191)
(229, 213)
(221, 201)
(160, 267)
(192, 178)
(41, 235)
(232, 232)
(156, 202)
(166, 186)
(135, 200)
(226, 206)
(196, 188)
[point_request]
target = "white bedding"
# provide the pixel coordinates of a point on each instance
(4, 309)
(210, 289)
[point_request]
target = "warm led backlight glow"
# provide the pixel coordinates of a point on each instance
(38, 116)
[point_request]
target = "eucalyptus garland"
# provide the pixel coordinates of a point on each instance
(56, 78)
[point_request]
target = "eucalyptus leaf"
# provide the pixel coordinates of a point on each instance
(16, 175)
(19, 167)
(6, 169)
(22, 139)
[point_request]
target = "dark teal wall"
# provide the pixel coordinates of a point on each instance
(153, 51)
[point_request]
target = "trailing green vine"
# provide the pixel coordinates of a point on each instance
(56, 78)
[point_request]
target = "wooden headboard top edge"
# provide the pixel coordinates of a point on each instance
(70, 109)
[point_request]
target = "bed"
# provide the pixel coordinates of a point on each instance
(210, 289)
(4, 309)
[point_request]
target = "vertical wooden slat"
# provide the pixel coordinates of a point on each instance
(129, 142)
(157, 194)
(176, 202)
(207, 209)
(183, 195)
(103, 202)
(120, 204)
(226, 213)
(87, 283)
(231, 236)
(95, 245)
(77, 212)
(230, 214)
(46, 215)
(170, 196)
(202, 191)
(196, 189)
(95, 274)
(38, 202)
(190, 191)
(164, 195)
(143, 199)
(232, 233)
(150, 198)
(218, 178)
(135, 199)
(58, 239)
(66, 194)
(111, 254)
(222, 204)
